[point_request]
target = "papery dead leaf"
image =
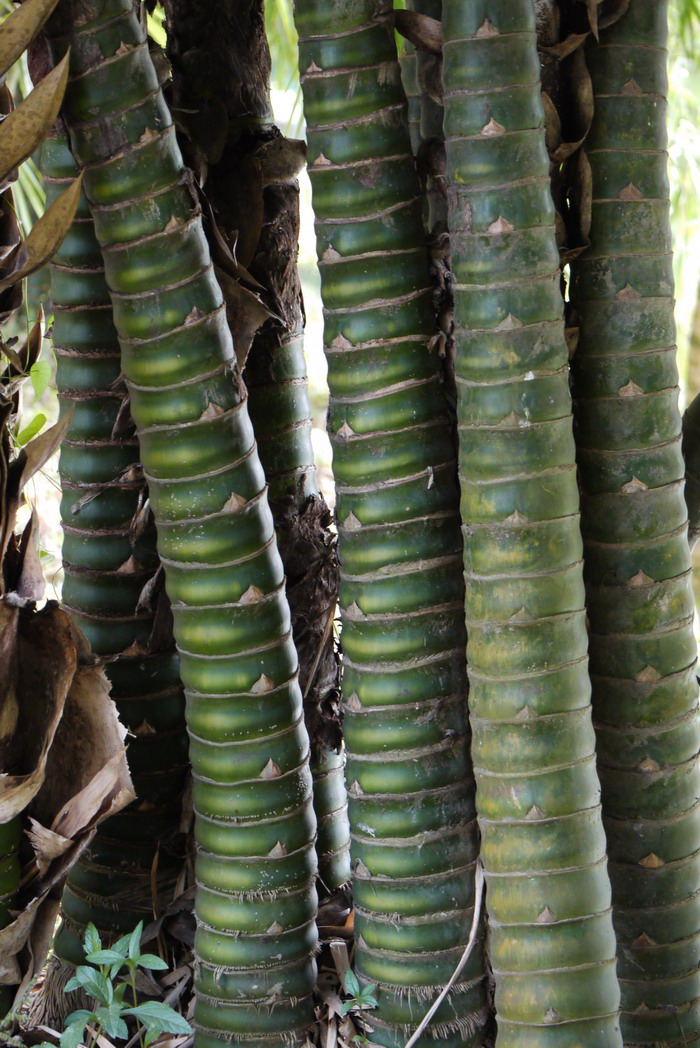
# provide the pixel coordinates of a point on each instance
(613, 13)
(44, 667)
(47, 845)
(46, 234)
(30, 460)
(245, 312)
(423, 32)
(12, 941)
(28, 125)
(592, 9)
(29, 353)
(20, 29)
(567, 46)
(108, 792)
(89, 737)
(29, 584)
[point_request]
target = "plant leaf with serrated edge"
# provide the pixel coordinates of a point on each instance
(150, 960)
(156, 1014)
(351, 983)
(135, 941)
(92, 940)
(72, 1036)
(93, 982)
(28, 125)
(104, 957)
(47, 234)
(20, 29)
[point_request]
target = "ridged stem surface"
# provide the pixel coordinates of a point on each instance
(254, 820)
(639, 596)
(410, 786)
(552, 944)
(254, 195)
(109, 558)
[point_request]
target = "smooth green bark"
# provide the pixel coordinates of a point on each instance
(552, 944)
(410, 786)
(639, 596)
(254, 820)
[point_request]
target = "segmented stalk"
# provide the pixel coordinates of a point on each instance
(552, 944)
(251, 184)
(408, 63)
(432, 142)
(640, 601)
(275, 376)
(254, 820)
(109, 558)
(410, 786)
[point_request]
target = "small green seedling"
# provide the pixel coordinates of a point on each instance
(360, 1000)
(99, 979)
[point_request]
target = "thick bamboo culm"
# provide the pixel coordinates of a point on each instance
(254, 820)
(225, 44)
(409, 778)
(109, 557)
(639, 596)
(552, 944)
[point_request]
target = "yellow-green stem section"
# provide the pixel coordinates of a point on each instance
(552, 944)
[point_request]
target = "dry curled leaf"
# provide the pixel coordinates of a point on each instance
(28, 125)
(20, 29)
(46, 234)
(423, 32)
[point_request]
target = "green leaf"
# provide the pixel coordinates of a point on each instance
(351, 984)
(92, 940)
(31, 430)
(93, 982)
(121, 946)
(28, 125)
(40, 376)
(119, 991)
(156, 1015)
(135, 941)
(110, 1018)
(105, 957)
(149, 960)
(72, 1036)
(20, 29)
(80, 1015)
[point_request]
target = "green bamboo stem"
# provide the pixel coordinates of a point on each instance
(281, 416)
(229, 41)
(640, 601)
(408, 63)
(552, 944)
(410, 785)
(107, 565)
(254, 820)
(431, 125)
